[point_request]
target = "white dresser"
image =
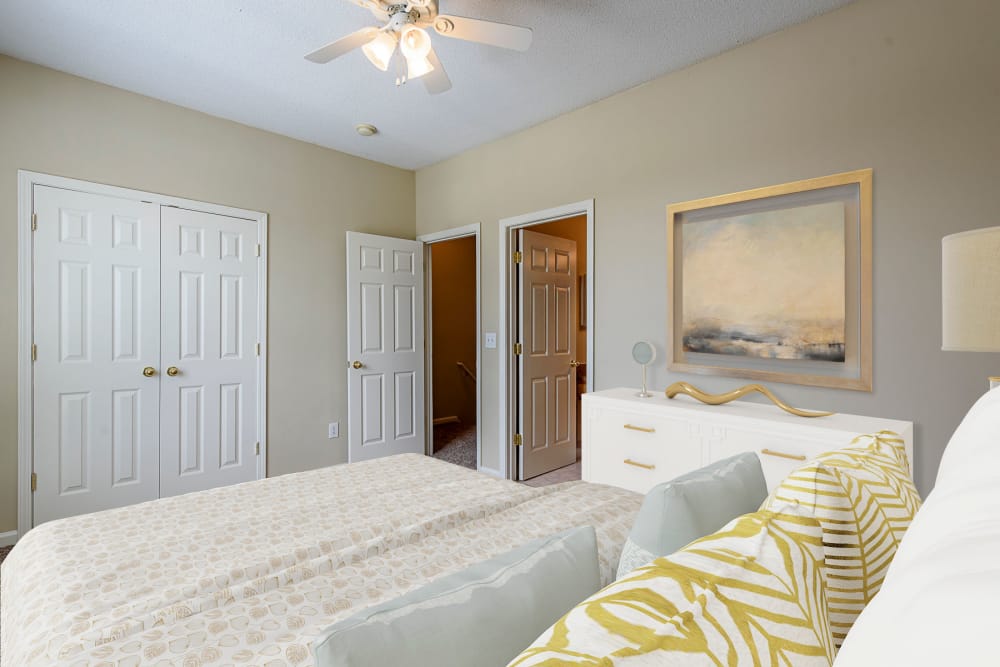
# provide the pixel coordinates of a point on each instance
(636, 443)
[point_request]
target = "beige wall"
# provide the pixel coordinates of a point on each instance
(575, 229)
(908, 87)
(55, 123)
(453, 302)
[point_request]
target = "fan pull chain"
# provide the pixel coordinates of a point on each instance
(400, 70)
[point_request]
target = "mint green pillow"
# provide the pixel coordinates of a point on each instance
(484, 615)
(694, 505)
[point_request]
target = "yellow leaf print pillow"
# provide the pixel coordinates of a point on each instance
(864, 499)
(750, 594)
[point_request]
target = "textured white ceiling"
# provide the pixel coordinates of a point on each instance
(243, 60)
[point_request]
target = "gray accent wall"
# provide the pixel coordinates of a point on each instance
(910, 88)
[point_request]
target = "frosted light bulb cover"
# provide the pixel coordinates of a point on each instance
(379, 51)
(417, 67)
(415, 43)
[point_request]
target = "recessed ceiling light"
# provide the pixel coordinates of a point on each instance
(366, 129)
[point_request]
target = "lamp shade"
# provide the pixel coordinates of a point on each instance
(970, 291)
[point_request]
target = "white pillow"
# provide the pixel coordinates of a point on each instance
(940, 602)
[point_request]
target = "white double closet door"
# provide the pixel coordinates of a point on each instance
(123, 292)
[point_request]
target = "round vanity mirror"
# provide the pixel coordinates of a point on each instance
(644, 354)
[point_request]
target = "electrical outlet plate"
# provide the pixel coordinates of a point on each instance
(333, 430)
(491, 340)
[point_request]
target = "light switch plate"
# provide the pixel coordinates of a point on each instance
(334, 430)
(491, 340)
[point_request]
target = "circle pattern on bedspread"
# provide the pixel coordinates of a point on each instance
(250, 574)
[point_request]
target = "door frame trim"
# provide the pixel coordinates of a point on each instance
(505, 339)
(465, 231)
(26, 180)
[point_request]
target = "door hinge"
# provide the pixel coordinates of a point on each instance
(258, 449)
(258, 349)
(34, 482)
(518, 257)
(258, 250)
(518, 349)
(34, 352)
(34, 221)
(518, 440)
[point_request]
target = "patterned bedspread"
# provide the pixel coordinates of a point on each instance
(251, 574)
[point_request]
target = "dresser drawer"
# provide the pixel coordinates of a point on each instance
(779, 456)
(636, 451)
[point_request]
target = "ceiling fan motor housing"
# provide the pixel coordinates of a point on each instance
(402, 14)
(400, 17)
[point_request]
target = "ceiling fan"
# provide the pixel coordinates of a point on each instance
(404, 26)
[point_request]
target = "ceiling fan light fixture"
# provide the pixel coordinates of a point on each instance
(379, 51)
(403, 24)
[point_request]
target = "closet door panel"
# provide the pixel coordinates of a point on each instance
(96, 325)
(209, 407)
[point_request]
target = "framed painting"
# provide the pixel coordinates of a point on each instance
(775, 284)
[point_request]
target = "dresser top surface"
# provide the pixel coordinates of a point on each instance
(627, 398)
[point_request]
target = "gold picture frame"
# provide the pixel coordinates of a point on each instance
(728, 224)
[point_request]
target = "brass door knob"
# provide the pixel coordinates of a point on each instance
(149, 371)
(173, 370)
(357, 364)
(574, 363)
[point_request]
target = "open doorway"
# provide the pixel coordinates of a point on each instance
(546, 341)
(452, 334)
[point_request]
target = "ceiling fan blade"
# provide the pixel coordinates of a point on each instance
(485, 32)
(373, 6)
(436, 81)
(343, 45)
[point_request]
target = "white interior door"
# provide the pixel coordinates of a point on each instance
(96, 321)
(547, 364)
(385, 346)
(209, 271)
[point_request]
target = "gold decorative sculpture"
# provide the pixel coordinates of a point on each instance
(719, 399)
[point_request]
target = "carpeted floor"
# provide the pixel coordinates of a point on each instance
(456, 443)
(3, 552)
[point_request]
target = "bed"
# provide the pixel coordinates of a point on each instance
(252, 573)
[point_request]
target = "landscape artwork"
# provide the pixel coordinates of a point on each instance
(766, 285)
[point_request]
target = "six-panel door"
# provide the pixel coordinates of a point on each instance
(385, 346)
(208, 423)
(96, 326)
(547, 332)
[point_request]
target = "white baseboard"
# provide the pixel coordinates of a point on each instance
(447, 420)
(490, 471)
(8, 539)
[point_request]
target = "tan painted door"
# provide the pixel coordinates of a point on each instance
(208, 423)
(385, 346)
(547, 319)
(96, 319)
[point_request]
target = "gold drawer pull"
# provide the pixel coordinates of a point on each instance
(782, 455)
(645, 466)
(632, 427)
